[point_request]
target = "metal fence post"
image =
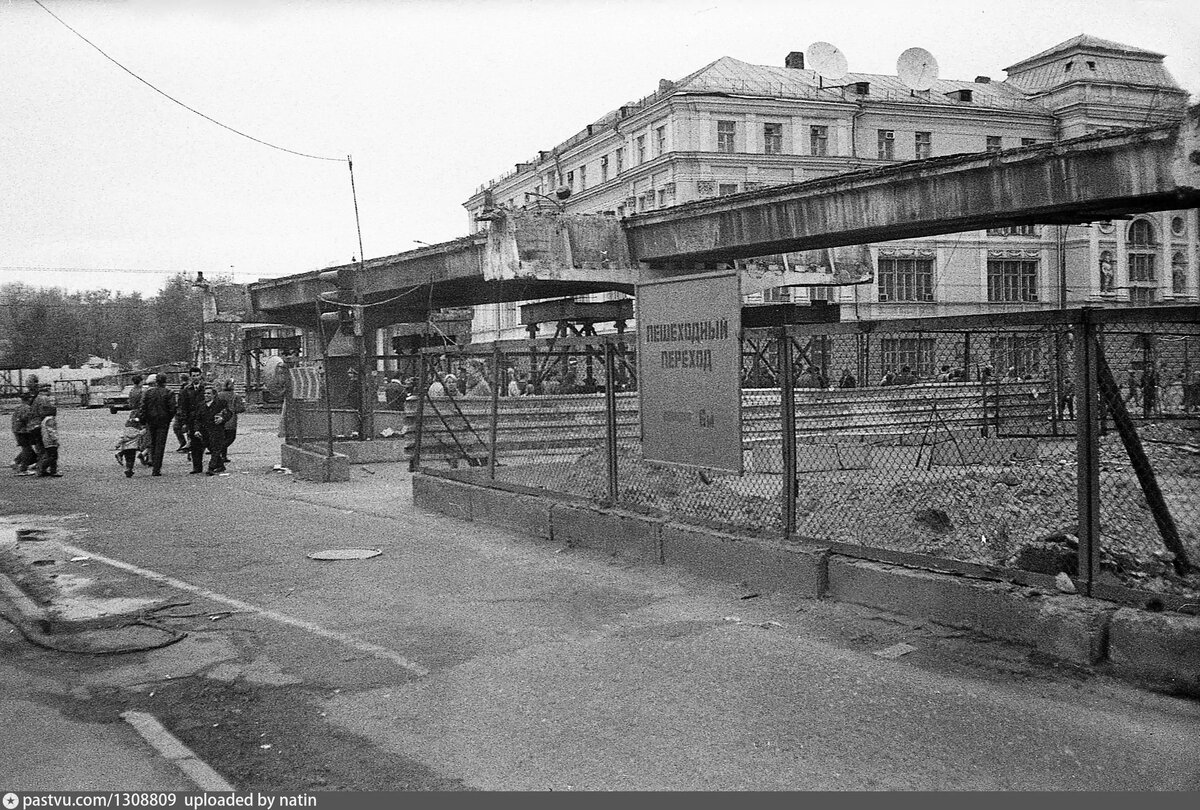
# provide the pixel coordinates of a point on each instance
(1087, 448)
(787, 403)
(414, 463)
(610, 421)
(495, 423)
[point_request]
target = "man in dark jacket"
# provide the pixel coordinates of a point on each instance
(191, 397)
(155, 412)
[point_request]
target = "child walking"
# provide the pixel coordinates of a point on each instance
(48, 461)
(131, 440)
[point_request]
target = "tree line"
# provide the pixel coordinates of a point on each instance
(46, 326)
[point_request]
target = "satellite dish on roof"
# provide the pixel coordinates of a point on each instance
(917, 68)
(826, 61)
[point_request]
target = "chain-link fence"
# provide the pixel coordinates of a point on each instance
(1017, 447)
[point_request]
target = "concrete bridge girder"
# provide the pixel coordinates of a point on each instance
(527, 255)
(1082, 180)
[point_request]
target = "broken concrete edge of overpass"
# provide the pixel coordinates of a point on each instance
(1158, 650)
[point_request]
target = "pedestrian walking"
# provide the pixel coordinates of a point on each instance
(209, 420)
(25, 453)
(191, 397)
(48, 460)
(39, 406)
(157, 412)
(235, 405)
(135, 393)
(179, 423)
(132, 440)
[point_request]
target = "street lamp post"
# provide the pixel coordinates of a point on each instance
(202, 349)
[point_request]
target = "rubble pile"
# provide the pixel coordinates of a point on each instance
(1019, 514)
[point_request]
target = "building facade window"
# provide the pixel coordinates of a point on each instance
(1142, 296)
(641, 202)
(1015, 230)
(1142, 249)
(582, 178)
(924, 145)
(1012, 280)
(571, 180)
(773, 139)
(818, 140)
(916, 353)
(993, 143)
(604, 168)
(641, 149)
(660, 141)
(726, 133)
(620, 156)
(905, 279)
(662, 198)
(725, 189)
(887, 144)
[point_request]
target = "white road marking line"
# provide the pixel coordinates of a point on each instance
(282, 618)
(173, 749)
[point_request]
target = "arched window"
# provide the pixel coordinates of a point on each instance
(1141, 244)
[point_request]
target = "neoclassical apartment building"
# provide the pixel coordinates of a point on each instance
(732, 126)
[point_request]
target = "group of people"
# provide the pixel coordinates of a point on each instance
(203, 418)
(471, 382)
(35, 428)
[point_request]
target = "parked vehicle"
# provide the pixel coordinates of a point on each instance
(118, 402)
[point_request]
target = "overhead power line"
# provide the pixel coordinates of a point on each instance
(177, 101)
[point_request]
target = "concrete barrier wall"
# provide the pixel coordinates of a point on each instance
(312, 465)
(1154, 649)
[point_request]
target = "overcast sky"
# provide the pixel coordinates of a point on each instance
(431, 99)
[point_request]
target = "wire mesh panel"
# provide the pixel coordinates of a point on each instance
(1018, 443)
(1149, 456)
(543, 405)
(913, 440)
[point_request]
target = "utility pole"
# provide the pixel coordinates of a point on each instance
(365, 390)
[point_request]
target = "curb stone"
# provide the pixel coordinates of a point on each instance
(1155, 650)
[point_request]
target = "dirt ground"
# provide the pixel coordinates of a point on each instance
(1002, 515)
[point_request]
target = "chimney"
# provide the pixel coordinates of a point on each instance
(959, 95)
(862, 88)
(795, 59)
(665, 85)
(983, 80)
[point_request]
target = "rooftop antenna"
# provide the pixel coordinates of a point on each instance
(827, 62)
(917, 68)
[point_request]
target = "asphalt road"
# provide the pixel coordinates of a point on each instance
(465, 657)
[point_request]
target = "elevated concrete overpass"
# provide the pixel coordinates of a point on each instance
(527, 255)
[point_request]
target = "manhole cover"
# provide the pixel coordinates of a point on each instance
(345, 554)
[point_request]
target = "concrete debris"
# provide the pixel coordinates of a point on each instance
(895, 651)
(1063, 582)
